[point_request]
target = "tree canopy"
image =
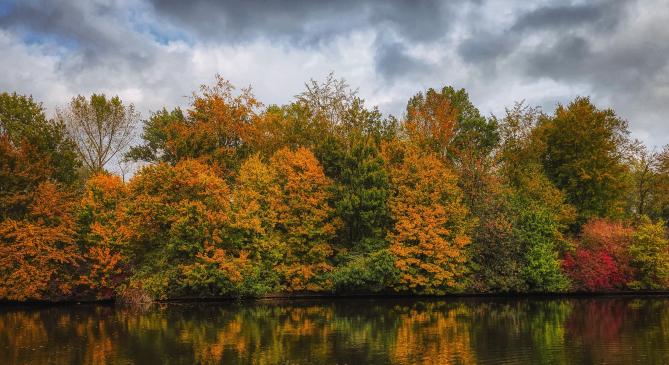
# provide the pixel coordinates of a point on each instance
(325, 194)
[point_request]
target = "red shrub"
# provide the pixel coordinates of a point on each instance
(594, 270)
(600, 261)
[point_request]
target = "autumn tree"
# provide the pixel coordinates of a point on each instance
(38, 168)
(216, 129)
(226, 117)
(431, 225)
(102, 128)
(281, 217)
(293, 126)
(178, 217)
(304, 219)
(38, 252)
(104, 236)
(254, 223)
(584, 149)
(33, 150)
(649, 255)
(448, 124)
(649, 175)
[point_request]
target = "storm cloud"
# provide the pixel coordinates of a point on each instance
(306, 22)
(154, 52)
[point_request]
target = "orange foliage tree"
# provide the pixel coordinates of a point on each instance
(33, 150)
(38, 253)
(304, 219)
(216, 129)
(432, 122)
(222, 122)
(431, 224)
(104, 235)
(20, 174)
(179, 216)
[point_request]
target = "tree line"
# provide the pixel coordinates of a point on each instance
(325, 194)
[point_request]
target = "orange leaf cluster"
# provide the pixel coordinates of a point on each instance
(107, 234)
(430, 230)
(38, 253)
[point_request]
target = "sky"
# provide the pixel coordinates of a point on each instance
(154, 53)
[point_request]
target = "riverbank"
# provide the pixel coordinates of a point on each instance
(306, 296)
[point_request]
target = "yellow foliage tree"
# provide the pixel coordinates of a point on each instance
(254, 220)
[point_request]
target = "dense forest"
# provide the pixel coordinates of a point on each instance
(324, 195)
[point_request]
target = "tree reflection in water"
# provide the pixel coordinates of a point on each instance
(343, 331)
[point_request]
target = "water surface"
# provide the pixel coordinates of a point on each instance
(603, 330)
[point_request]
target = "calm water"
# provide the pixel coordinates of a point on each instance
(344, 331)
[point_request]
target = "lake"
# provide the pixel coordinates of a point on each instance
(529, 330)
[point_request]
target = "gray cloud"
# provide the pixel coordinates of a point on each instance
(392, 60)
(88, 28)
(305, 22)
(616, 51)
(603, 15)
(153, 52)
(549, 22)
(485, 46)
(566, 58)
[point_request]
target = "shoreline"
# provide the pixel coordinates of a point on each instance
(322, 296)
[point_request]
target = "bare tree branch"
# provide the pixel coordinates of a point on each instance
(101, 127)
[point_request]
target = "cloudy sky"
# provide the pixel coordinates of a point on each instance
(155, 52)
